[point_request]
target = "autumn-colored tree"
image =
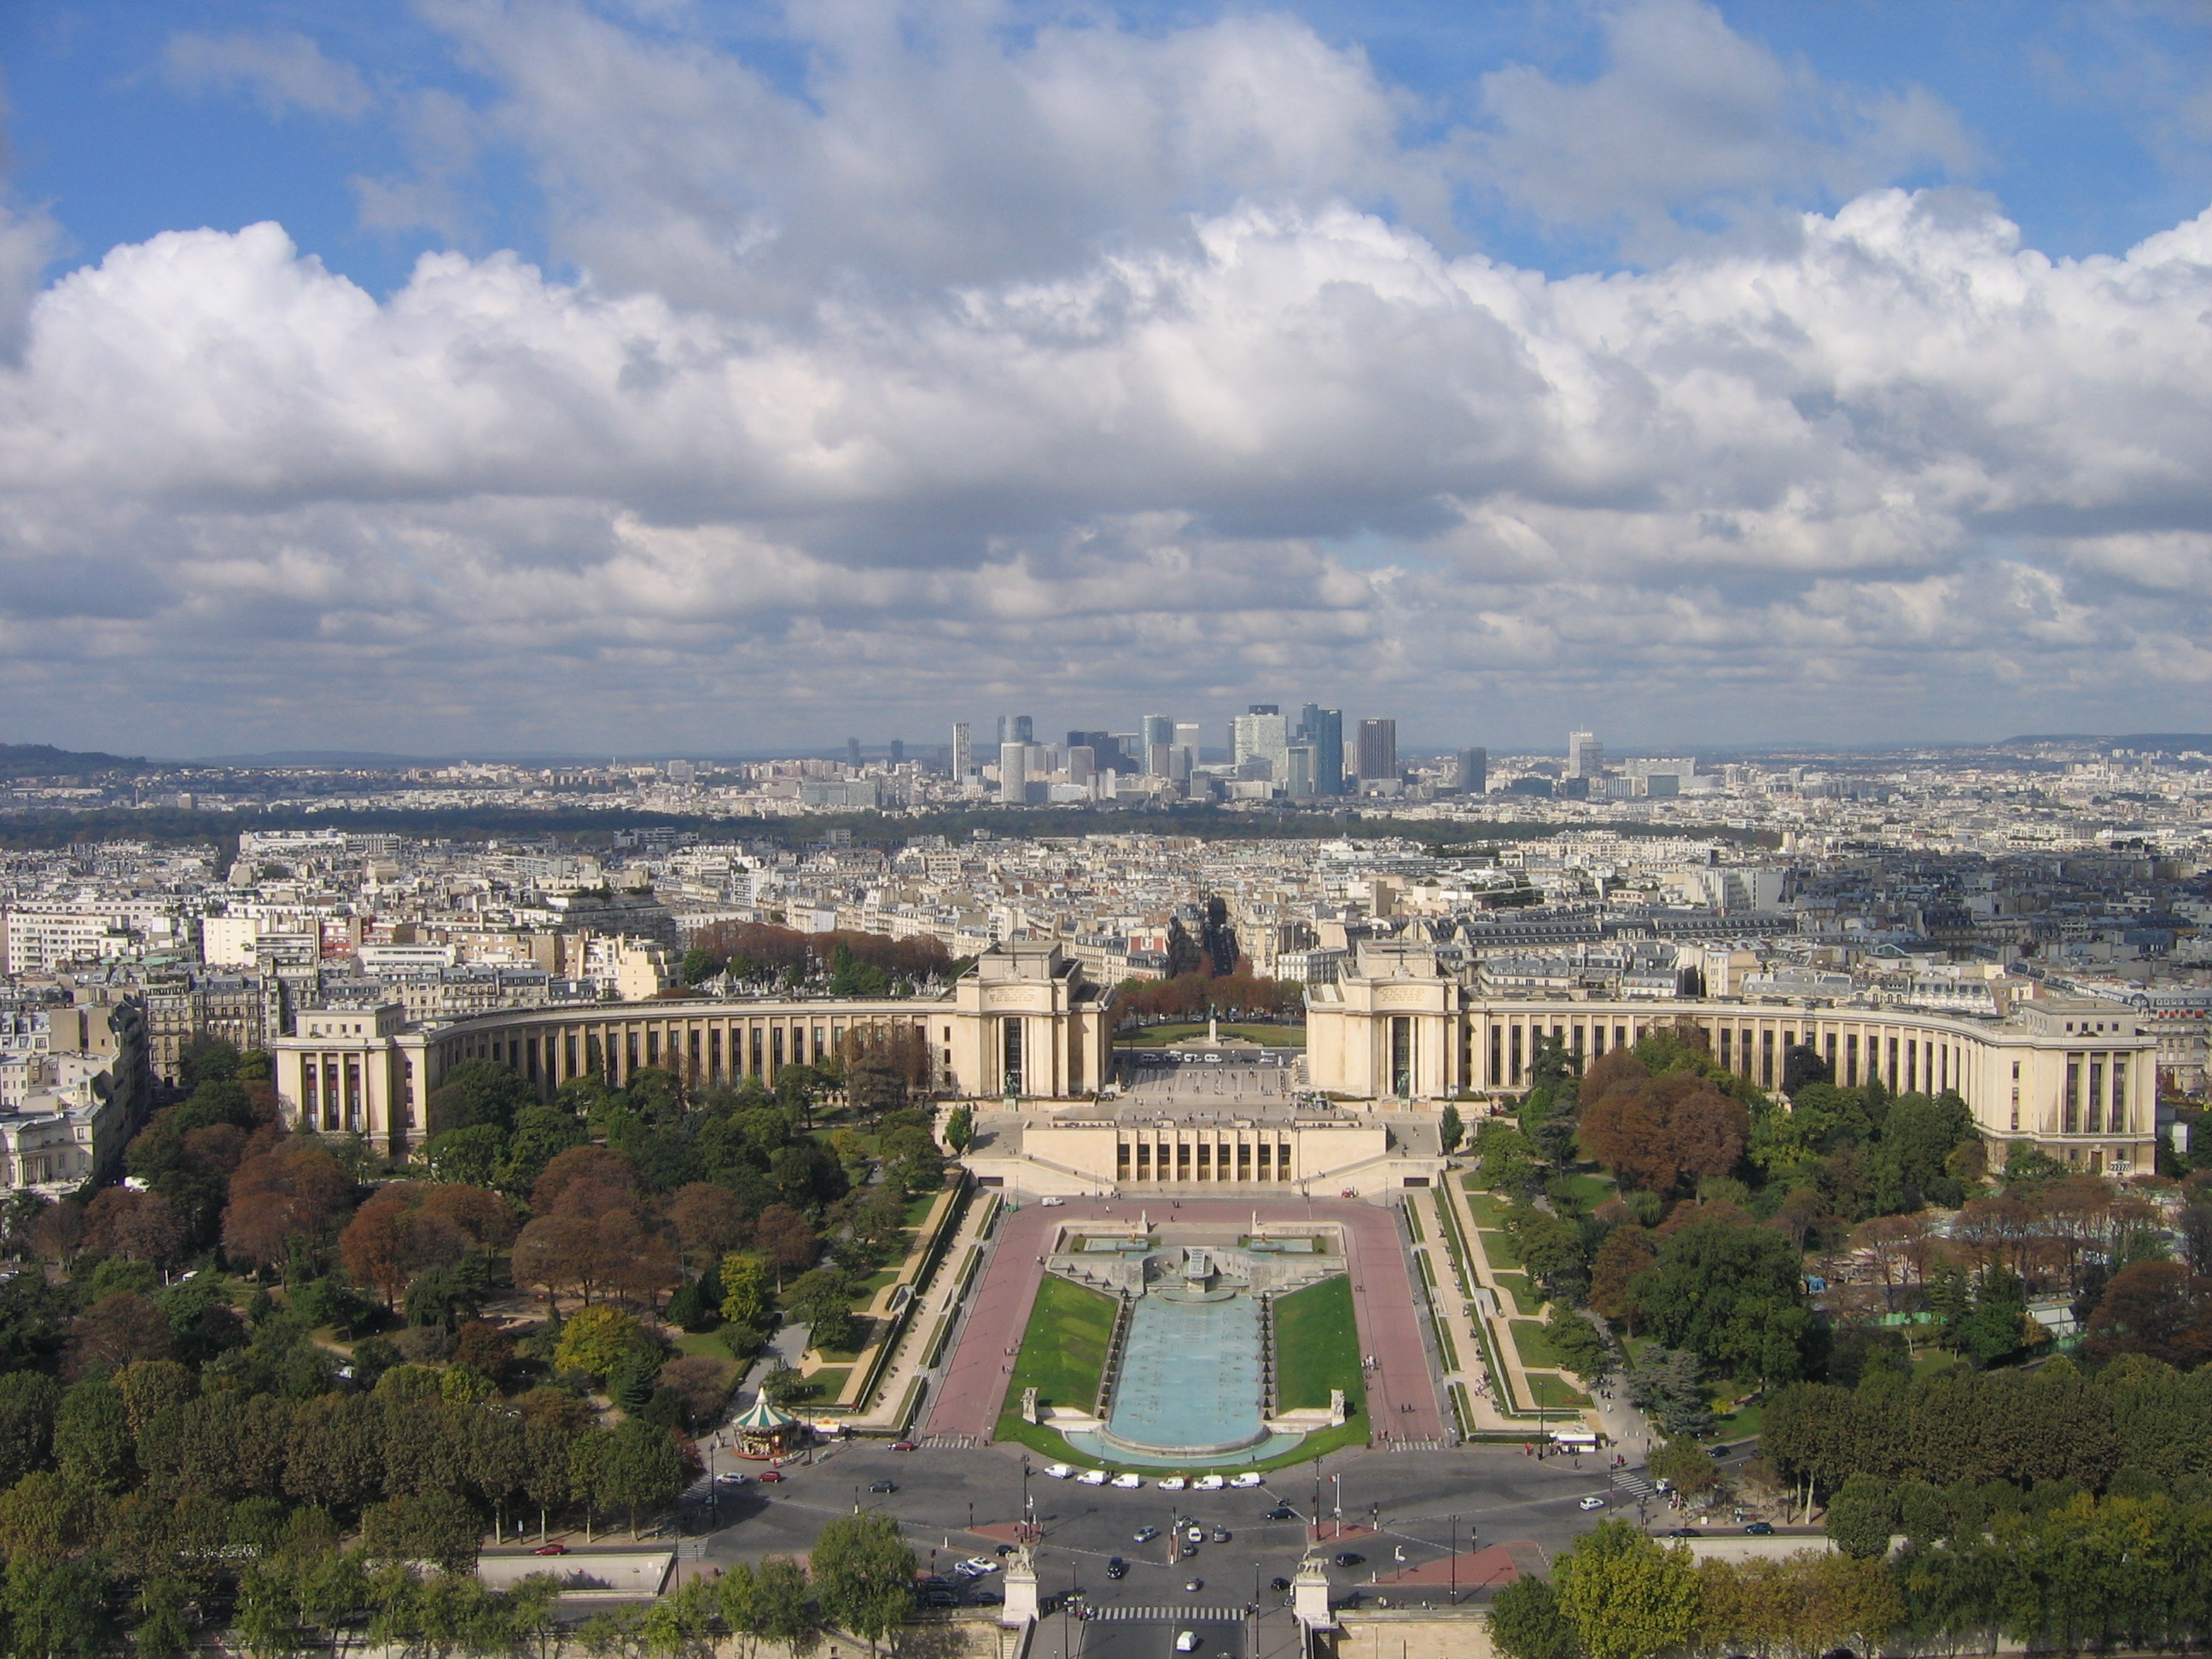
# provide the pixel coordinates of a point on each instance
(2156, 1308)
(1617, 1068)
(1668, 1130)
(392, 1239)
(708, 1220)
(786, 1240)
(485, 1218)
(295, 1190)
(636, 1260)
(140, 1226)
(586, 1181)
(1627, 1251)
(114, 1332)
(60, 1231)
(558, 1253)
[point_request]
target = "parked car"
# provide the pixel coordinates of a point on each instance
(1091, 1478)
(1282, 1512)
(1128, 1482)
(1196, 1534)
(904, 1445)
(1004, 1550)
(985, 1598)
(1116, 1567)
(1278, 1584)
(1593, 1501)
(1187, 1642)
(1145, 1535)
(1249, 1479)
(1208, 1483)
(770, 1477)
(1761, 1529)
(1060, 1471)
(883, 1486)
(940, 1598)
(550, 1549)
(1173, 1483)
(1218, 1535)
(1348, 1559)
(1051, 1203)
(1191, 1586)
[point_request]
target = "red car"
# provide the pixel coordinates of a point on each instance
(904, 1445)
(550, 1549)
(770, 1477)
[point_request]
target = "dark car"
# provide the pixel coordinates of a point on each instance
(1347, 1559)
(1004, 1549)
(1761, 1529)
(550, 1549)
(1282, 1512)
(932, 1581)
(884, 1485)
(940, 1598)
(1189, 1550)
(1116, 1567)
(985, 1598)
(1278, 1584)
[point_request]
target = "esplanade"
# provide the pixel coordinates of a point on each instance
(2076, 1079)
(1022, 1023)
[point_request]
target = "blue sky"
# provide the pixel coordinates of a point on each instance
(1719, 372)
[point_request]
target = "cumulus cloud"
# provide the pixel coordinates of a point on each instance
(1194, 409)
(282, 72)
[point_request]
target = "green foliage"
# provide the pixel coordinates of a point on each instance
(1664, 1384)
(28, 1402)
(822, 1300)
(864, 1574)
(744, 1291)
(1451, 1129)
(960, 1128)
(472, 1156)
(1625, 1596)
(480, 1091)
(596, 1341)
(1861, 1516)
(1731, 1293)
(1526, 1623)
(91, 1437)
(1578, 1343)
(1684, 1465)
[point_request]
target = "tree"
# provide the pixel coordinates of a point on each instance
(425, 1526)
(709, 1220)
(56, 1609)
(1626, 1597)
(587, 1181)
(1627, 1251)
(295, 1193)
(1449, 1130)
(1672, 1128)
(541, 1134)
(1664, 1385)
(91, 1437)
(1577, 1341)
(474, 1155)
(637, 1466)
(596, 1340)
(744, 1291)
(864, 1574)
(1686, 1466)
(960, 1128)
(1731, 1292)
(2156, 1308)
(479, 1091)
(137, 1226)
(822, 1300)
(115, 1331)
(558, 1252)
(28, 1404)
(786, 1240)
(1526, 1623)
(1861, 1516)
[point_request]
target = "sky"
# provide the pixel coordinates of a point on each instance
(662, 377)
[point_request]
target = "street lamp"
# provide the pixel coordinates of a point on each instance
(1451, 1549)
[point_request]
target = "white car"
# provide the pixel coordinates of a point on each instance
(1208, 1483)
(1593, 1501)
(1196, 1534)
(1249, 1479)
(1173, 1483)
(1128, 1482)
(1050, 1203)
(1060, 1471)
(976, 1566)
(1091, 1478)
(1188, 1641)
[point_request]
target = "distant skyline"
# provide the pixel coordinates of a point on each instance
(463, 377)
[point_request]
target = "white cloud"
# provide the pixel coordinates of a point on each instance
(284, 72)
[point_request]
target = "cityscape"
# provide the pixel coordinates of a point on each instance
(1098, 831)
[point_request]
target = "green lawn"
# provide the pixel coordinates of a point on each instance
(917, 1208)
(1517, 1287)
(1316, 1346)
(709, 1343)
(1500, 1248)
(827, 1384)
(1162, 1037)
(1064, 1349)
(1484, 1208)
(1553, 1392)
(1592, 1190)
(1535, 1345)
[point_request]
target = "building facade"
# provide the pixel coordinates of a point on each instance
(1025, 1022)
(2077, 1079)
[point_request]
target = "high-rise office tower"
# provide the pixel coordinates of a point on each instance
(1186, 733)
(852, 751)
(1474, 773)
(1585, 755)
(1082, 763)
(1324, 729)
(1025, 729)
(1261, 735)
(1104, 750)
(1263, 709)
(963, 750)
(1155, 732)
(1378, 749)
(1298, 777)
(1006, 728)
(1013, 773)
(898, 751)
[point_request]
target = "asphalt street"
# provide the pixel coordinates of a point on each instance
(1422, 1503)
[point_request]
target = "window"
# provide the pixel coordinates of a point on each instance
(1401, 1056)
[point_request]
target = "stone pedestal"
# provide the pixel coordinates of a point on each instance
(1021, 1589)
(1029, 1405)
(1308, 1595)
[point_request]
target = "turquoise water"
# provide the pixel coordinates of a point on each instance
(1190, 1377)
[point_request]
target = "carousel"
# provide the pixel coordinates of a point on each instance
(765, 1429)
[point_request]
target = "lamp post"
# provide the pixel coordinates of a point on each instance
(1451, 1549)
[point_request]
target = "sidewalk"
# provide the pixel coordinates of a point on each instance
(937, 1299)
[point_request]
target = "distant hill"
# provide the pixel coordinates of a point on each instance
(43, 760)
(361, 760)
(2171, 741)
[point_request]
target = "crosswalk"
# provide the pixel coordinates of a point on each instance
(1186, 1613)
(1420, 1445)
(1632, 1482)
(948, 1442)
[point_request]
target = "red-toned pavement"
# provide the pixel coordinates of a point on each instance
(975, 1384)
(1485, 1569)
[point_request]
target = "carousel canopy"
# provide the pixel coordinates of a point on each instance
(763, 1416)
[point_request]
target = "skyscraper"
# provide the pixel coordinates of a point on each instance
(1186, 733)
(1324, 730)
(1474, 773)
(1154, 734)
(898, 751)
(1006, 728)
(1261, 735)
(852, 751)
(1013, 773)
(1585, 755)
(963, 750)
(1025, 729)
(1378, 749)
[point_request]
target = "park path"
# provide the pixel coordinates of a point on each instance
(1402, 1400)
